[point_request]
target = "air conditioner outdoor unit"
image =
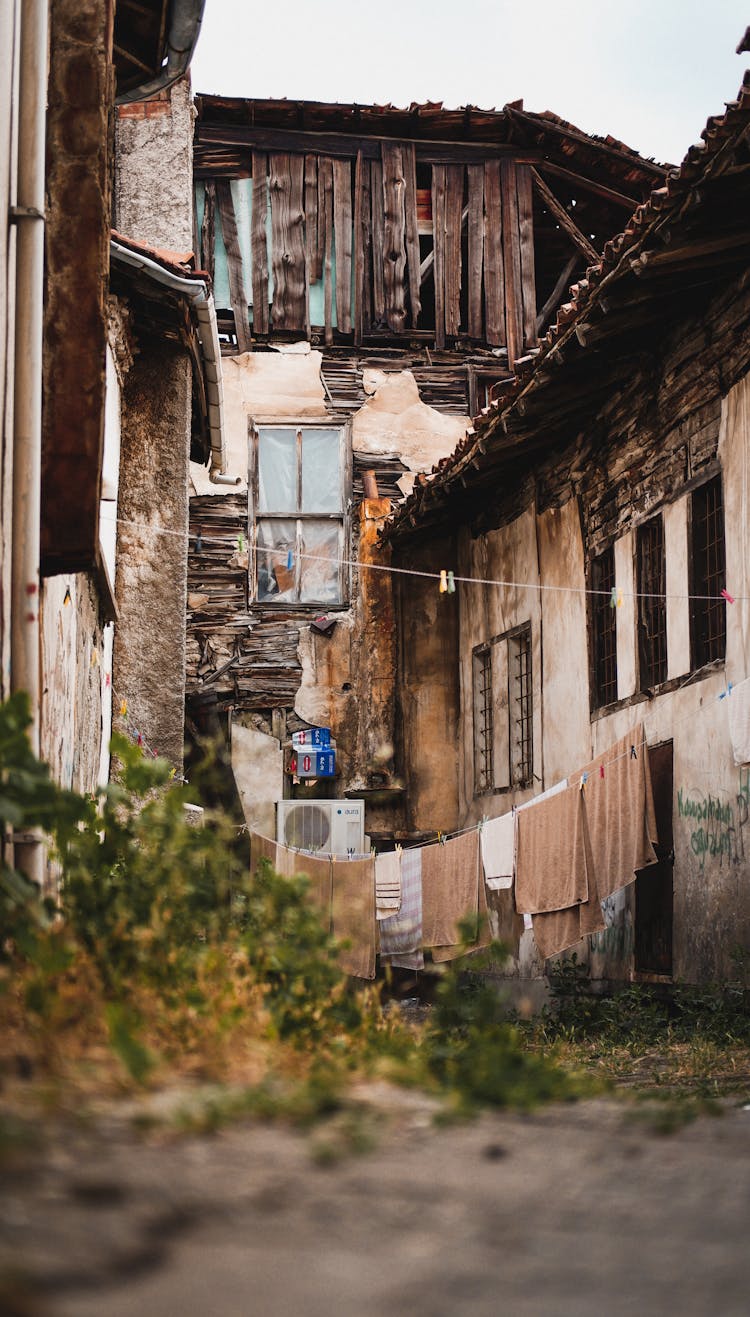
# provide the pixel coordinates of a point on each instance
(335, 827)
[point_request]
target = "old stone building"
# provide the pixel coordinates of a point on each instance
(595, 519)
(378, 274)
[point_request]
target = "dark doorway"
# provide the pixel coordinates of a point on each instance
(653, 886)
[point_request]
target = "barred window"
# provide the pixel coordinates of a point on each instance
(604, 618)
(652, 604)
(707, 614)
(483, 720)
(519, 677)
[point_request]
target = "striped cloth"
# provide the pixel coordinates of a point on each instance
(387, 883)
(401, 934)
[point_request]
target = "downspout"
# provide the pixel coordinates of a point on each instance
(28, 215)
(196, 290)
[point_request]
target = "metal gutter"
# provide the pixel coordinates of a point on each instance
(184, 29)
(196, 291)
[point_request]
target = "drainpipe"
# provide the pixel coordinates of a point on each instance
(28, 215)
(184, 26)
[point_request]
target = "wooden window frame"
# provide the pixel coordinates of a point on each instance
(483, 719)
(500, 761)
(700, 656)
(652, 605)
(601, 612)
(521, 691)
(342, 518)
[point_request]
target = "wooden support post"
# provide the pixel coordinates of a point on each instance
(234, 264)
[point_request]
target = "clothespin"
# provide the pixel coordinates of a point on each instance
(123, 708)
(615, 599)
(67, 601)
(728, 691)
(108, 679)
(726, 595)
(633, 752)
(584, 780)
(199, 543)
(443, 582)
(601, 770)
(139, 738)
(289, 560)
(398, 848)
(241, 542)
(451, 584)
(172, 772)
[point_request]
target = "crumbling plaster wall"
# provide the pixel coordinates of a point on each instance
(153, 190)
(151, 582)
(348, 677)
(73, 667)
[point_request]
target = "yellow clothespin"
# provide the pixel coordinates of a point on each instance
(443, 582)
(123, 708)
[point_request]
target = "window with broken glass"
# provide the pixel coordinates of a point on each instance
(604, 619)
(299, 500)
(708, 613)
(652, 604)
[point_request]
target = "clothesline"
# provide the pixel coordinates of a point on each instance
(332, 561)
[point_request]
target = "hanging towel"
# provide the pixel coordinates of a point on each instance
(450, 889)
(353, 913)
(497, 837)
(317, 870)
(551, 868)
(263, 848)
(483, 934)
(738, 713)
(559, 929)
(401, 934)
(620, 812)
(387, 883)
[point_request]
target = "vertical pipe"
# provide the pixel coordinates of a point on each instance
(27, 402)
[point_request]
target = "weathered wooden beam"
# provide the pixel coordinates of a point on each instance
(313, 250)
(342, 228)
(412, 232)
(208, 230)
(589, 185)
(237, 292)
(553, 300)
(476, 249)
(325, 185)
(438, 242)
(348, 144)
(394, 237)
(526, 246)
(511, 261)
(378, 222)
(494, 269)
(565, 221)
(259, 245)
(454, 196)
(286, 179)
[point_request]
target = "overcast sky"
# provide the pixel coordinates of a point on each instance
(647, 71)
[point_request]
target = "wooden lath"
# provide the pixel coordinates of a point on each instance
(287, 180)
(235, 271)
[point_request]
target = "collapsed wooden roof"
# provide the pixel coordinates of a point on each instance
(684, 245)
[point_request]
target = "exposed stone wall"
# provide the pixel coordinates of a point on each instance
(73, 674)
(151, 583)
(153, 193)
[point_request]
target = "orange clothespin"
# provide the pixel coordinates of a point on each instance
(123, 708)
(443, 582)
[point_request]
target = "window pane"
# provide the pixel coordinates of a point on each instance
(277, 470)
(321, 471)
(272, 545)
(320, 572)
(709, 614)
(605, 628)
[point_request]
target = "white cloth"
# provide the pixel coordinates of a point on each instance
(551, 791)
(496, 837)
(387, 884)
(738, 713)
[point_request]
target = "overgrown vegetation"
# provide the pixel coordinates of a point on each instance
(168, 955)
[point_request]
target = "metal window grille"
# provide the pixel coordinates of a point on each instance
(521, 707)
(652, 603)
(605, 628)
(483, 724)
(708, 616)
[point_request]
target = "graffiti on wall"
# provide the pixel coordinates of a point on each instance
(717, 823)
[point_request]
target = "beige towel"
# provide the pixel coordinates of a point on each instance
(387, 883)
(560, 929)
(551, 870)
(317, 870)
(353, 909)
(497, 841)
(450, 888)
(484, 936)
(263, 848)
(620, 812)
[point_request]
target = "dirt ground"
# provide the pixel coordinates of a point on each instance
(580, 1209)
